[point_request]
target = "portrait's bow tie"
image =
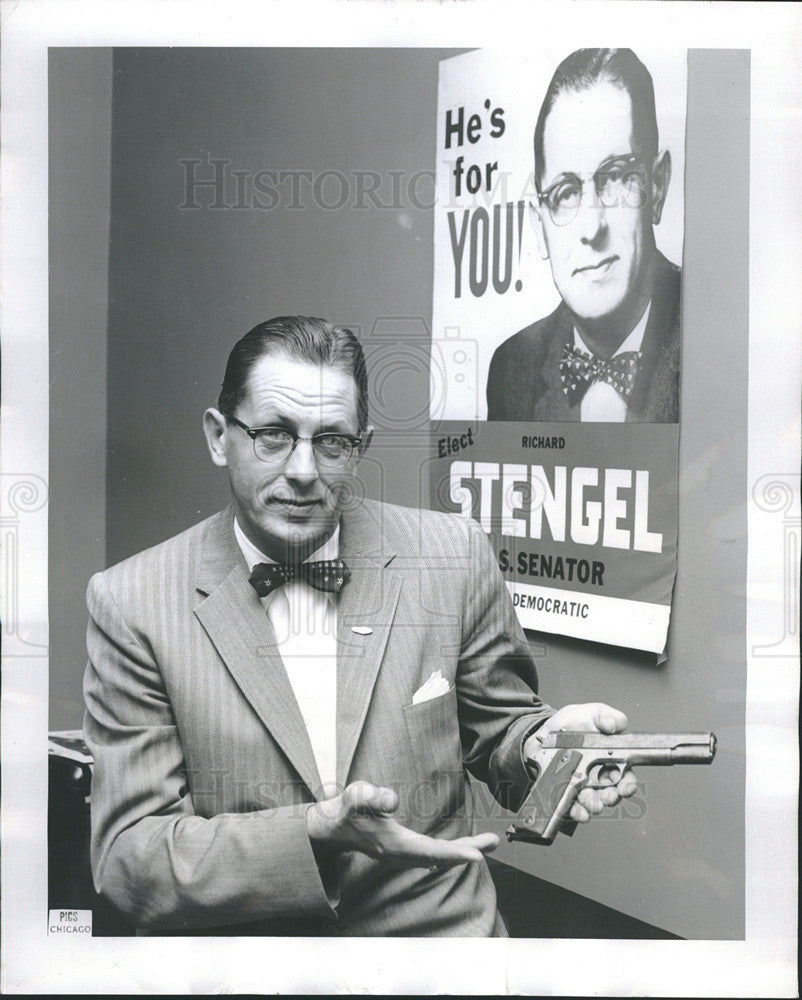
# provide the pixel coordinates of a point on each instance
(329, 574)
(579, 369)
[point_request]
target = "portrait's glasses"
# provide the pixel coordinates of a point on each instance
(276, 444)
(618, 181)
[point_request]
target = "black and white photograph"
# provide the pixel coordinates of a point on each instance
(400, 500)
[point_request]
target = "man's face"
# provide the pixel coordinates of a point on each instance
(598, 259)
(287, 508)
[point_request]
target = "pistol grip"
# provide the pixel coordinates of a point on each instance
(548, 802)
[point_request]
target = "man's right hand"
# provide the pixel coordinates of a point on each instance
(360, 819)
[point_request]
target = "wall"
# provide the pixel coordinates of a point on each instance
(79, 84)
(184, 283)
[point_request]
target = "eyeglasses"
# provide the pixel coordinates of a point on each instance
(276, 444)
(620, 180)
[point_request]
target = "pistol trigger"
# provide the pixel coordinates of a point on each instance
(605, 775)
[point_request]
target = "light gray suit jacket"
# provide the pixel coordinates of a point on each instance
(203, 766)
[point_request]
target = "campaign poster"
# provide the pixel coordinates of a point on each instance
(556, 336)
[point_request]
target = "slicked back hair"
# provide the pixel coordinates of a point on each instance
(586, 67)
(302, 338)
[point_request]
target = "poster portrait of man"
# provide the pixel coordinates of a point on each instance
(611, 350)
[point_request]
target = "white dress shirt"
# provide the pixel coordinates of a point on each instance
(601, 403)
(305, 624)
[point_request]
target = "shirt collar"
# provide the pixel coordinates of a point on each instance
(328, 550)
(633, 341)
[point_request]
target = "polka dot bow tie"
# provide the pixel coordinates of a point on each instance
(579, 369)
(329, 574)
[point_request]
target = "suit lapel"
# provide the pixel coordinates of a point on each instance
(367, 603)
(663, 315)
(555, 406)
(236, 622)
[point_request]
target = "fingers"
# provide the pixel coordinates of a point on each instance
(444, 854)
(330, 819)
(330, 790)
(627, 785)
(364, 797)
(361, 819)
(485, 842)
(416, 850)
(579, 813)
(610, 796)
(591, 801)
(607, 719)
(588, 716)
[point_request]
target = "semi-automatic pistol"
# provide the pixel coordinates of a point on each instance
(567, 762)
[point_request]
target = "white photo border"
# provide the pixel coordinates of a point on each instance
(765, 962)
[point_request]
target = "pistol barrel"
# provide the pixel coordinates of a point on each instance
(696, 752)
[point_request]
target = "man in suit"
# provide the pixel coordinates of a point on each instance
(611, 349)
(283, 700)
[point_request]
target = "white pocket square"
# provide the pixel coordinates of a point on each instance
(436, 685)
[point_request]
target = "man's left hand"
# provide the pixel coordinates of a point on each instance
(591, 717)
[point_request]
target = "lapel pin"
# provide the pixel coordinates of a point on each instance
(362, 630)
